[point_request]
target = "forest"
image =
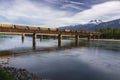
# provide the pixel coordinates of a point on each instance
(110, 33)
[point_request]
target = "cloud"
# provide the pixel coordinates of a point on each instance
(74, 2)
(28, 13)
(73, 6)
(67, 6)
(105, 11)
(54, 1)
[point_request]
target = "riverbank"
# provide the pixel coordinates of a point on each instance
(17, 74)
(100, 39)
(97, 39)
(118, 40)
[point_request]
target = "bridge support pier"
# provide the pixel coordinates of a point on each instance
(59, 40)
(41, 37)
(93, 37)
(23, 38)
(89, 37)
(76, 40)
(34, 40)
(98, 36)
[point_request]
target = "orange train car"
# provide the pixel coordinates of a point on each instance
(20, 27)
(59, 29)
(7, 26)
(67, 30)
(33, 28)
(72, 31)
(83, 31)
(52, 29)
(44, 29)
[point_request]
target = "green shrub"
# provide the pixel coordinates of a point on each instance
(4, 76)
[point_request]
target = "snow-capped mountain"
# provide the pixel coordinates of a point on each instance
(94, 24)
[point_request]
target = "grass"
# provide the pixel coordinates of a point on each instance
(4, 76)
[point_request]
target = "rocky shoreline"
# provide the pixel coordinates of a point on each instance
(19, 74)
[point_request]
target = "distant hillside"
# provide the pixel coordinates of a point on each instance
(93, 25)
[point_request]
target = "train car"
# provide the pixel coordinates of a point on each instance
(87, 32)
(7, 26)
(59, 29)
(83, 31)
(0, 25)
(33, 28)
(20, 27)
(52, 29)
(67, 30)
(72, 30)
(44, 29)
(78, 31)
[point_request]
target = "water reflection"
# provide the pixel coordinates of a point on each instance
(5, 57)
(11, 42)
(93, 60)
(112, 45)
(18, 48)
(39, 49)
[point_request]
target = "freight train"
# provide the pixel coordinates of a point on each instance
(20, 27)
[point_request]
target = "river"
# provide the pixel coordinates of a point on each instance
(93, 60)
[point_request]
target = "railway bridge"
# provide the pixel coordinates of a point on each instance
(33, 30)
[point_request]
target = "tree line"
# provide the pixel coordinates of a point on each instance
(110, 33)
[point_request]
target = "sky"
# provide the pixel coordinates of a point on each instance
(57, 13)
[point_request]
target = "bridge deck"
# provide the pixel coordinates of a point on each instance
(8, 28)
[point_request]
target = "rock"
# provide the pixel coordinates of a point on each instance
(20, 74)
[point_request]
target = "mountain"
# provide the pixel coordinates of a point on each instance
(93, 25)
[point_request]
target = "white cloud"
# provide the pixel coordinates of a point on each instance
(24, 9)
(74, 2)
(44, 15)
(67, 6)
(106, 11)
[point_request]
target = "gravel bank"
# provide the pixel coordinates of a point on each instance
(20, 74)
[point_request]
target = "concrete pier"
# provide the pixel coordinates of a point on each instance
(76, 40)
(41, 37)
(34, 40)
(23, 38)
(59, 40)
(93, 37)
(98, 37)
(89, 37)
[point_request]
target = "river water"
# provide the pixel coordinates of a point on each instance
(93, 60)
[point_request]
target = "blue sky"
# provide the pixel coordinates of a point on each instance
(55, 13)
